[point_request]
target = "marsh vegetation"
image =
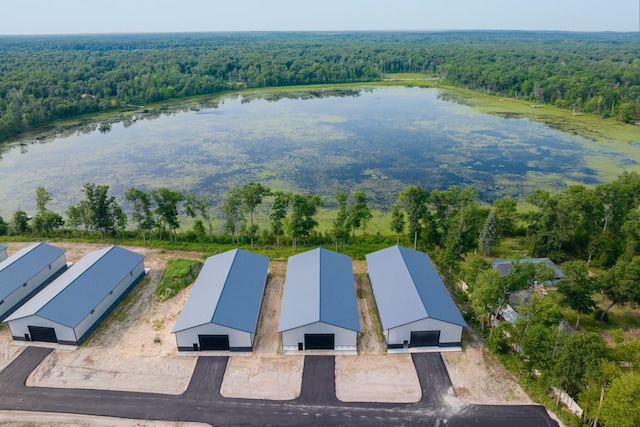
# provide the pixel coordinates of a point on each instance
(372, 139)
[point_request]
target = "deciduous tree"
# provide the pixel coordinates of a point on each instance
(281, 201)
(397, 222)
(141, 211)
(620, 407)
(415, 199)
(620, 283)
(578, 288)
(167, 204)
(20, 223)
(251, 195)
(359, 214)
(234, 216)
(99, 208)
(342, 224)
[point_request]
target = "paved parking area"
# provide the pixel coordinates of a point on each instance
(316, 405)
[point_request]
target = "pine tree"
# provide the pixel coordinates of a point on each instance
(488, 234)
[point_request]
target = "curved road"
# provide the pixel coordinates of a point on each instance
(317, 404)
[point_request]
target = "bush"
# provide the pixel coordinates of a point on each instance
(179, 274)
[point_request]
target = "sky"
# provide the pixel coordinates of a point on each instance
(144, 16)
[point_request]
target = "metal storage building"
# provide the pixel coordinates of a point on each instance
(223, 307)
(26, 272)
(319, 308)
(415, 307)
(3, 252)
(67, 310)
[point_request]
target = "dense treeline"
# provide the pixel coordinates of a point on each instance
(43, 79)
(600, 225)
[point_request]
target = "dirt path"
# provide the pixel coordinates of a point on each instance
(370, 338)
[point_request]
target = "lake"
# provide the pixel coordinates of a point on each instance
(378, 140)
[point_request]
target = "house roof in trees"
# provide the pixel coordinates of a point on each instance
(319, 287)
(20, 267)
(227, 292)
(505, 265)
(72, 296)
(407, 288)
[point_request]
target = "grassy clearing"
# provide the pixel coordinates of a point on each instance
(410, 76)
(179, 274)
(589, 126)
(510, 248)
(619, 317)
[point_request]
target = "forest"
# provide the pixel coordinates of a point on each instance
(48, 78)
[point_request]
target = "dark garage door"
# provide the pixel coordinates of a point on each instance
(39, 333)
(424, 338)
(319, 341)
(214, 342)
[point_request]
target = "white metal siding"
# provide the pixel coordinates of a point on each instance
(86, 323)
(449, 332)
(345, 339)
(237, 338)
(19, 327)
(33, 283)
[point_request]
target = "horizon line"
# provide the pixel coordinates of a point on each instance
(114, 33)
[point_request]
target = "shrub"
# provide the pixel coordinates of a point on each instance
(179, 274)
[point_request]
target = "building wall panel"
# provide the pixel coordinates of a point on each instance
(237, 339)
(20, 327)
(450, 333)
(345, 339)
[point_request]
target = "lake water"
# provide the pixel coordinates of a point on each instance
(377, 140)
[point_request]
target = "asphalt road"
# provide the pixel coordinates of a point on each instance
(317, 404)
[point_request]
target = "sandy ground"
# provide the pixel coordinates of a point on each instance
(22, 419)
(479, 378)
(122, 354)
(377, 378)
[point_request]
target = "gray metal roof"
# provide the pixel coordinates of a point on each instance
(24, 264)
(2, 247)
(319, 287)
(72, 296)
(407, 288)
(505, 265)
(227, 292)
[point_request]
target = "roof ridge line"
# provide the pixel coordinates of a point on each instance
(226, 279)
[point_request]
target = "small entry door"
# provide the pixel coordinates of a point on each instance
(319, 341)
(213, 342)
(39, 333)
(425, 339)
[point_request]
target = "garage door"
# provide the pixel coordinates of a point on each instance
(39, 333)
(214, 342)
(319, 341)
(424, 338)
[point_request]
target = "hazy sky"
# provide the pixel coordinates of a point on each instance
(119, 16)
